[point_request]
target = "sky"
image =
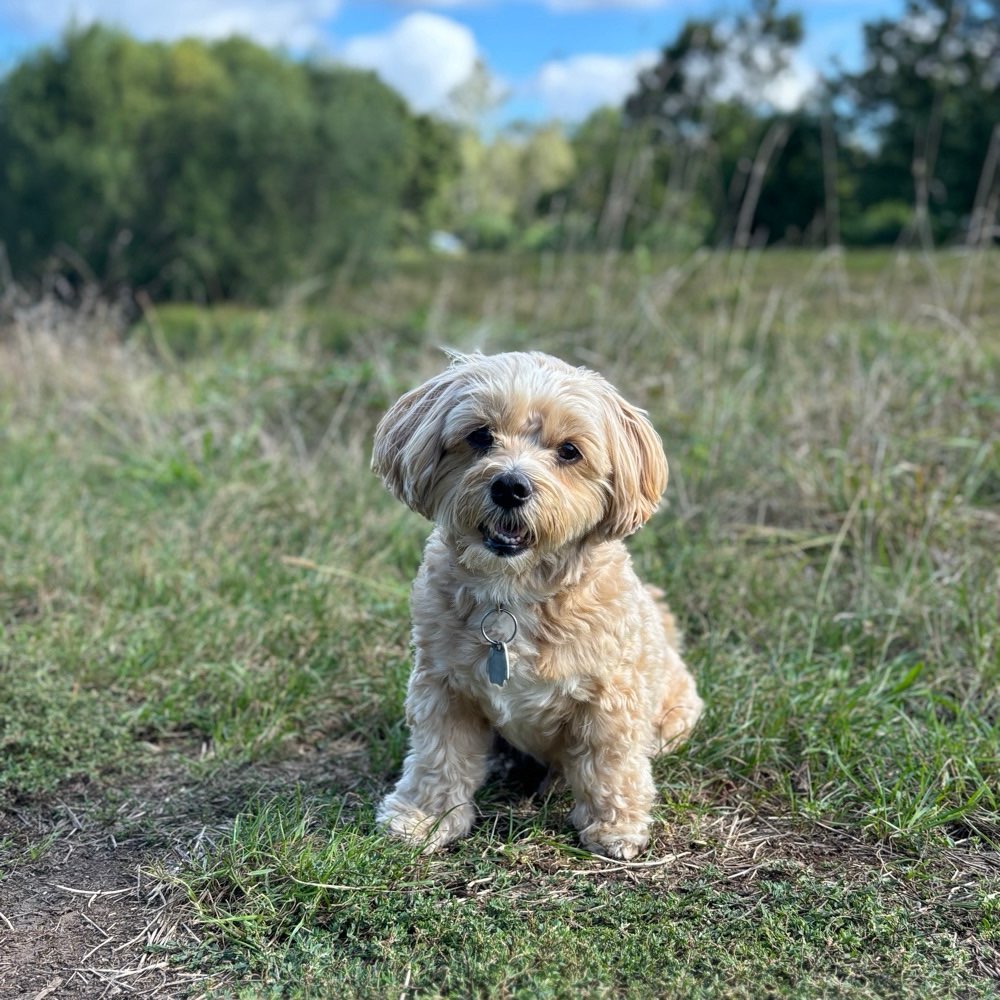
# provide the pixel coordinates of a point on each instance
(546, 59)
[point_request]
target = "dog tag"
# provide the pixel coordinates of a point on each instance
(497, 664)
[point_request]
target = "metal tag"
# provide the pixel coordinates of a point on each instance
(497, 664)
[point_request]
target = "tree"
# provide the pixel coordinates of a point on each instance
(624, 192)
(436, 165)
(722, 144)
(201, 170)
(70, 127)
(501, 183)
(927, 103)
(712, 62)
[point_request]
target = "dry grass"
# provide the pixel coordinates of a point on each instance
(202, 581)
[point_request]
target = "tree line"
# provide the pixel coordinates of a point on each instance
(206, 171)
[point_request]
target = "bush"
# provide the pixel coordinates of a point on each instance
(882, 223)
(488, 231)
(198, 171)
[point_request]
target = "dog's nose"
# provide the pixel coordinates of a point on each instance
(510, 490)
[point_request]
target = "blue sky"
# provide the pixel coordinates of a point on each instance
(548, 58)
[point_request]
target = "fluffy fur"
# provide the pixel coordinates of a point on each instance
(533, 472)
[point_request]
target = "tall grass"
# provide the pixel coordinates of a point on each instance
(200, 574)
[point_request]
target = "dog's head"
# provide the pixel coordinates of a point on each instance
(518, 455)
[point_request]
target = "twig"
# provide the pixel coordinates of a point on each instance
(94, 893)
(49, 988)
(406, 982)
(143, 933)
(95, 949)
(772, 143)
(628, 865)
(95, 925)
(301, 563)
(123, 973)
(406, 887)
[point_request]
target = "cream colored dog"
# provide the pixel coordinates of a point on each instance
(528, 618)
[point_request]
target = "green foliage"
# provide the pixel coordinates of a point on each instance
(679, 93)
(501, 186)
(218, 171)
(930, 93)
(200, 170)
(915, 125)
(436, 165)
(884, 222)
(626, 191)
(488, 231)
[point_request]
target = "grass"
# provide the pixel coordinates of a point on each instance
(203, 594)
(528, 918)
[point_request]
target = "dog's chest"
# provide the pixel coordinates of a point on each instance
(456, 631)
(529, 711)
(528, 708)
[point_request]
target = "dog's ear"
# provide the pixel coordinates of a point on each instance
(639, 469)
(408, 441)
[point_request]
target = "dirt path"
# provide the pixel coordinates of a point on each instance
(85, 912)
(84, 922)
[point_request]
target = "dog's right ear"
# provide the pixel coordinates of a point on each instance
(408, 441)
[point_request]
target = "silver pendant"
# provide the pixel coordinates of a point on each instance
(498, 664)
(497, 660)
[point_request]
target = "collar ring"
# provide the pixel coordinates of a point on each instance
(497, 612)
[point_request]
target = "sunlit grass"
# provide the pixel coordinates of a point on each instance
(199, 575)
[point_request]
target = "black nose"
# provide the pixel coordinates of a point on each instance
(510, 490)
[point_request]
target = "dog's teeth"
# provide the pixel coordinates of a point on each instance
(504, 539)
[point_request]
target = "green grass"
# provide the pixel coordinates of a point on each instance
(523, 917)
(203, 589)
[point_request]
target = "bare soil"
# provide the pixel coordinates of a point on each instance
(85, 912)
(80, 914)
(83, 922)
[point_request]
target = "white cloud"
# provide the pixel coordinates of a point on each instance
(790, 88)
(296, 23)
(785, 91)
(423, 56)
(571, 88)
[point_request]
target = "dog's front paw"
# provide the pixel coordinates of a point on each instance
(405, 821)
(622, 841)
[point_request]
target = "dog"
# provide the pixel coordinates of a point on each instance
(528, 617)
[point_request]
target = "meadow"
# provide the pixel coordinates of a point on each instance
(204, 646)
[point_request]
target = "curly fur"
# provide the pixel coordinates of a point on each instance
(597, 686)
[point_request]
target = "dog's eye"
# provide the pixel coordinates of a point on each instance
(568, 452)
(480, 439)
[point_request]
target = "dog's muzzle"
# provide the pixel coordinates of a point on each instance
(504, 534)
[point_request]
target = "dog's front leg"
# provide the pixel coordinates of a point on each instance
(612, 782)
(449, 755)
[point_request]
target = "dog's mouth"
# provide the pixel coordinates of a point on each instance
(505, 541)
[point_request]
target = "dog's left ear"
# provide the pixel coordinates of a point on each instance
(408, 441)
(639, 469)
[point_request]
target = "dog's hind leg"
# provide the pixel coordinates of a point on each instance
(680, 707)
